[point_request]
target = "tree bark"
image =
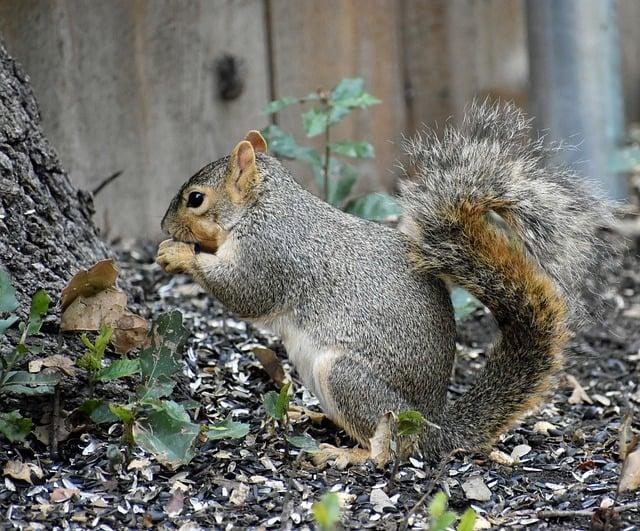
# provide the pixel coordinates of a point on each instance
(46, 231)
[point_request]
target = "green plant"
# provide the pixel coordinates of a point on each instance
(151, 420)
(22, 382)
(440, 519)
(334, 177)
(326, 512)
(277, 405)
(92, 360)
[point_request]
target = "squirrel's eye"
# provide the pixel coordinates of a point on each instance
(195, 199)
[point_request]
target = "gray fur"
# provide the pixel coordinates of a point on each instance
(494, 156)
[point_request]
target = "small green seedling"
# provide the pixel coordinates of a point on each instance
(277, 404)
(440, 519)
(334, 177)
(151, 420)
(326, 512)
(22, 382)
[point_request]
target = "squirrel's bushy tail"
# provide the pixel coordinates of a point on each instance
(532, 276)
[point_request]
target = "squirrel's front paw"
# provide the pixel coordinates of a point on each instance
(176, 257)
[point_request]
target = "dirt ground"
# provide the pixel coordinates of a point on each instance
(564, 470)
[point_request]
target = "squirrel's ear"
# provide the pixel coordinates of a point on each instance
(243, 173)
(257, 141)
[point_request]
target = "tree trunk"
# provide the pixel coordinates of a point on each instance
(46, 231)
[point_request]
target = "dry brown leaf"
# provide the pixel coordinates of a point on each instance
(476, 489)
(239, 495)
(175, 505)
(89, 313)
(380, 443)
(630, 474)
(57, 361)
(17, 470)
(579, 395)
(61, 494)
(43, 433)
(86, 283)
(129, 332)
(270, 363)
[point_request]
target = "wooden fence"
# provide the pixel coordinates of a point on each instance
(133, 85)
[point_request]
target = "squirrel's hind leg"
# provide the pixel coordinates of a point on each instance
(355, 398)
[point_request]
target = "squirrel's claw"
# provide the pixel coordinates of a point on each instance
(341, 457)
(176, 257)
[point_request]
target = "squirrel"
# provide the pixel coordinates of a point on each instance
(363, 309)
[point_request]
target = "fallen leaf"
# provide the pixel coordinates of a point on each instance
(17, 470)
(61, 494)
(137, 464)
(380, 500)
(270, 363)
(87, 282)
(129, 332)
(88, 313)
(380, 443)
(579, 395)
(57, 361)
(501, 458)
(481, 523)
(543, 427)
(476, 489)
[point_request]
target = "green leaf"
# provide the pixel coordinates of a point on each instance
(279, 104)
(227, 429)
(443, 521)
(467, 520)
(98, 411)
(19, 389)
(410, 422)
(39, 307)
(361, 150)
(119, 369)
(347, 95)
(122, 412)
(8, 301)
(14, 426)
(6, 323)
(163, 356)
(347, 89)
(314, 121)
(167, 435)
(373, 206)
(438, 505)
(89, 361)
(102, 340)
(305, 442)
(283, 145)
(326, 512)
(277, 404)
(158, 388)
(464, 303)
(27, 378)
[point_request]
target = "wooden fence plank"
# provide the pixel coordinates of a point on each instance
(132, 85)
(456, 50)
(315, 44)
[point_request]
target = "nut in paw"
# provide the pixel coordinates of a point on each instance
(176, 257)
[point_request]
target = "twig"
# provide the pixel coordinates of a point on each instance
(55, 422)
(105, 182)
(434, 480)
(583, 512)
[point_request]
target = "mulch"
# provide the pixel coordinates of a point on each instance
(562, 473)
